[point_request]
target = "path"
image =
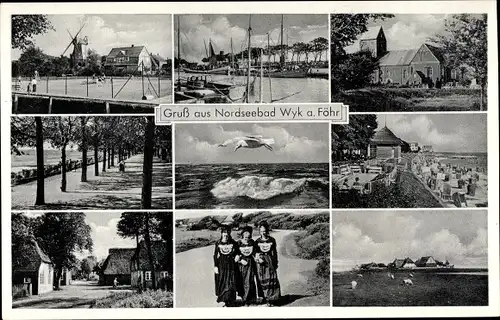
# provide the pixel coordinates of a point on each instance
(110, 190)
(194, 277)
(80, 294)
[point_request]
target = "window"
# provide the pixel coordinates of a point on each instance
(411, 69)
(164, 274)
(405, 73)
(147, 276)
(429, 72)
(42, 277)
(454, 74)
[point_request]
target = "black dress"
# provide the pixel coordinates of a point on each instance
(225, 280)
(247, 275)
(267, 269)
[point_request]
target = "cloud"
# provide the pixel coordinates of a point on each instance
(106, 237)
(194, 145)
(105, 32)
(400, 237)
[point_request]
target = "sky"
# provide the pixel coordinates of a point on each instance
(184, 214)
(195, 29)
(294, 143)
(445, 132)
(407, 31)
(107, 31)
(382, 236)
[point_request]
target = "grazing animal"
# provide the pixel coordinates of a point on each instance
(390, 275)
(360, 275)
(408, 282)
(354, 284)
(251, 142)
(411, 275)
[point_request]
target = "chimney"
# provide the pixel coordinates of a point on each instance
(221, 53)
(132, 46)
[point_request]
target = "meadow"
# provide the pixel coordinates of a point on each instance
(377, 99)
(146, 299)
(428, 289)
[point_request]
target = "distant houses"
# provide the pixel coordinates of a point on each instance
(406, 264)
(427, 149)
(130, 60)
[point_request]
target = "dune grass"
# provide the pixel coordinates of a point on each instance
(146, 299)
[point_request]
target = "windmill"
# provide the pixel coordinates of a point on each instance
(79, 56)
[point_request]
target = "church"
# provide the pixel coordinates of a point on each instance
(421, 66)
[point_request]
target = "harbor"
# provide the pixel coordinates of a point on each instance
(267, 68)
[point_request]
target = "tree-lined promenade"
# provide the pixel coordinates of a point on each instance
(125, 163)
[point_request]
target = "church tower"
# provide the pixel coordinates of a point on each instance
(374, 41)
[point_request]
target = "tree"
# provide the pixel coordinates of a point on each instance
(353, 136)
(61, 235)
(40, 168)
(319, 45)
(60, 131)
(465, 42)
(147, 171)
(25, 27)
(93, 64)
(353, 71)
(87, 265)
(84, 146)
(33, 59)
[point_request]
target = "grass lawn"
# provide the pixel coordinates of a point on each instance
(146, 299)
(429, 289)
(378, 99)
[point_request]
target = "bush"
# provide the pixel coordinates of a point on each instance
(323, 268)
(146, 299)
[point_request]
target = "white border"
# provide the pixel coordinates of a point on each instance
(261, 7)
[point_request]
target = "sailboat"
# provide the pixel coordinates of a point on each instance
(194, 89)
(283, 72)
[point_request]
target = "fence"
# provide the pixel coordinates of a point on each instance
(27, 175)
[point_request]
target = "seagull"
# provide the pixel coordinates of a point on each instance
(251, 142)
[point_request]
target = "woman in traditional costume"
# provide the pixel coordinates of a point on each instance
(267, 265)
(225, 257)
(247, 275)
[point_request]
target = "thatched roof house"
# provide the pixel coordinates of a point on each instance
(426, 262)
(32, 269)
(116, 265)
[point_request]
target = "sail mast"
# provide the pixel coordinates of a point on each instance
(206, 51)
(232, 58)
(179, 51)
(269, 67)
(282, 59)
(249, 57)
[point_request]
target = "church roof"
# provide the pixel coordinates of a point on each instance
(398, 57)
(385, 137)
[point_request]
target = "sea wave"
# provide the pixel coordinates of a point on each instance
(262, 188)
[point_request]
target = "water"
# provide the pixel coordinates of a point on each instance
(284, 90)
(28, 159)
(481, 159)
(131, 91)
(222, 186)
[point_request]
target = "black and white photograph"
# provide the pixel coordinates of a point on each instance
(257, 58)
(409, 62)
(410, 258)
(252, 166)
(235, 259)
(91, 63)
(410, 161)
(90, 163)
(63, 260)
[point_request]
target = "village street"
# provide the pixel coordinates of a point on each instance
(195, 286)
(111, 189)
(80, 294)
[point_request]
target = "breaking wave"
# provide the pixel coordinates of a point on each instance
(262, 188)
